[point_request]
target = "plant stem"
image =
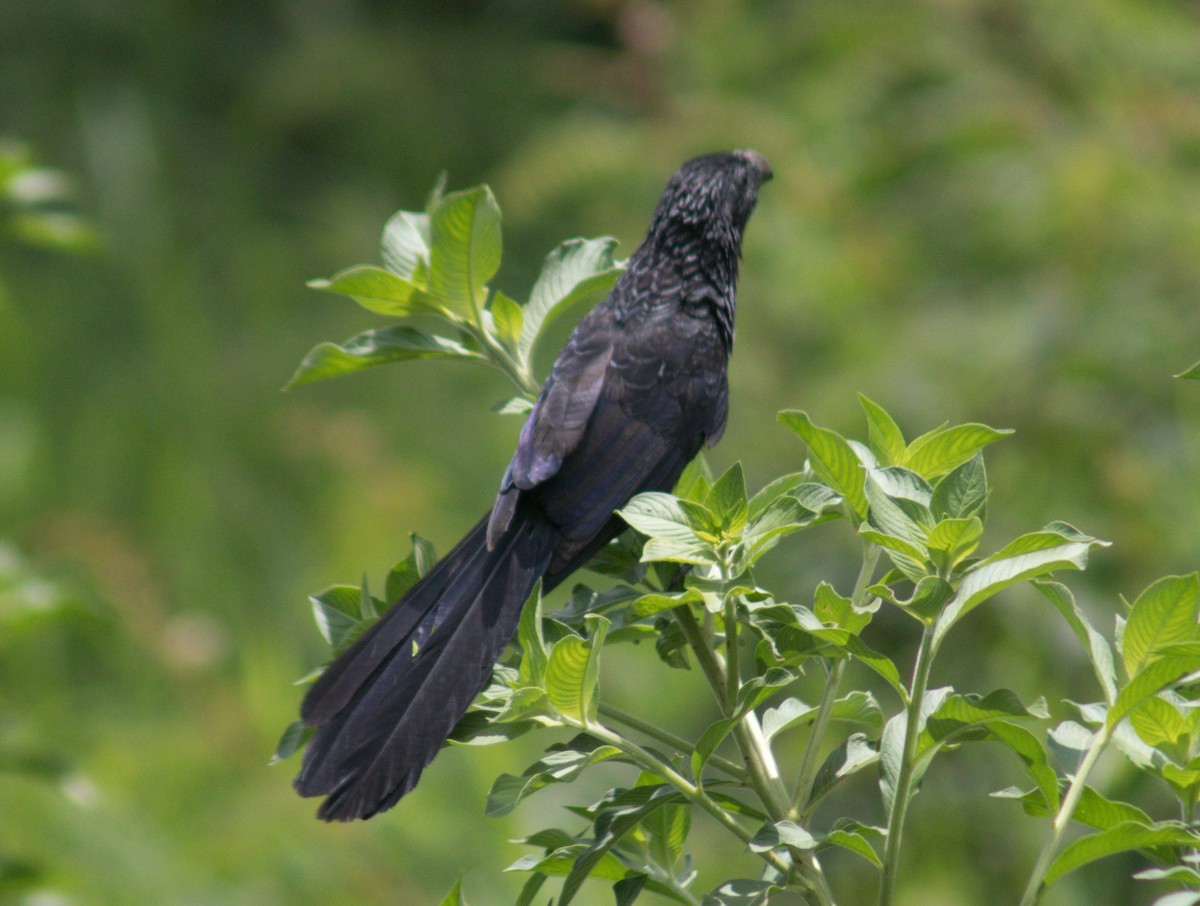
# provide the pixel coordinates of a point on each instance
(1033, 890)
(678, 743)
(733, 671)
(903, 792)
(690, 791)
(801, 807)
(808, 764)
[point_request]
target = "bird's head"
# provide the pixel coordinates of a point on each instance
(713, 195)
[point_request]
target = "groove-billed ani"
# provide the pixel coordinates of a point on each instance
(638, 389)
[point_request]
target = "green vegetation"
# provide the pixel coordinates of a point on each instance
(983, 211)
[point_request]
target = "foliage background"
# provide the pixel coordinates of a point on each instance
(982, 210)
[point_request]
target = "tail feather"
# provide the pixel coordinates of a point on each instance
(393, 697)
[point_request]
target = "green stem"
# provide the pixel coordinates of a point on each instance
(677, 743)
(801, 808)
(733, 671)
(1033, 890)
(903, 792)
(693, 793)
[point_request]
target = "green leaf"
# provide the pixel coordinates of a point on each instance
(856, 753)
(776, 489)
(712, 737)
(1193, 373)
(534, 657)
(671, 525)
(505, 316)
(573, 672)
(668, 828)
(561, 764)
(1032, 752)
(944, 449)
(877, 662)
(405, 246)
(832, 458)
(830, 607)
(578, 271)
(405, 574)
(294, 737)
(1171, 666)
(851, 837)
(1099, 651)
(376, 347)
(1120, 838)
(654, 603)
(455, 896)
(465, 253)
(777, 834)
(961, 493)
(740, 892)
(379, 291)
(928, 599)
(336, 611)
(1164, 614)
(728, 500)
(887, 441)
(954, 539)
(1158, 722)
(695, 482)
(1027, 557)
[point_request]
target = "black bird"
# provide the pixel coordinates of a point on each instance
(638, 389)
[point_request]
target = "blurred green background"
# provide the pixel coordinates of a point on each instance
(983, 210)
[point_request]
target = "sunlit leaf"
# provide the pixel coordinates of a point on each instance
(578, 271)
(1119, 838)
(832, 459)
(380, 291)
(376, 347)
(939, 451)
(887, 441)
(1164, 614)
(465, 253)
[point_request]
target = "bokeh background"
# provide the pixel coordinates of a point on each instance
(983, 210)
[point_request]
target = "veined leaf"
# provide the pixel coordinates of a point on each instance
(1169, 667)
(577, 271)
(961, 493)
(1119, 838)
(465, 253)
(832, 459)
(728, 500)
(1164, 614)
(380, 291)
(939, 451)
(405, 246)
(573, 672)
(1099, 652)
(887, 441)
(506, 317)
(376, 347)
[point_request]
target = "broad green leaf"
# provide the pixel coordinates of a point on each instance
(668, 828)
(928, 599)
(952, 540)
(405, 574)
(627, 889)
(624, 813)
(465, 253)
(1164, 614)
(728, 500)
(856, 753)
(830, 607)
(1193, 373)
(940, 451)
(961, 493)
(1158, 722)
(958, 714)
(695, 482)
(405, 246)
(534, 656)
(671, 525)
(771, 492)
(376, 347)
(887, 441)
(832, 459)
(294, 737)
(774, 835)
(654, 603)
(1025, 558)
(1030, 750)
(573, 672)
(1099, 651)
(877, 662)
(379, 291)
(908, 558)
(893, 516)
(336, 611)
(1171, 666)
(1179, 898)
(1120, 838)
(1093, 809)
(740, 892)
(455, 896)
(579, 270)
(561, 764)
(852, 836)
(505, 316)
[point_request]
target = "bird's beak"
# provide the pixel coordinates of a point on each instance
(758, 162)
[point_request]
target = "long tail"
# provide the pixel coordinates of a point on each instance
(383, 709)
